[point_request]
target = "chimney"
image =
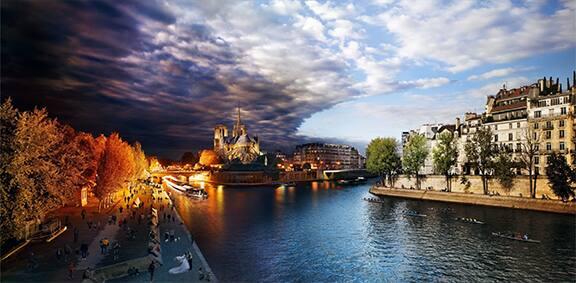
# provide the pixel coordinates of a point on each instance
(550, 83)
(541, 84)
(457, 123)
(567, 83)
(559, 88)
(558, 84)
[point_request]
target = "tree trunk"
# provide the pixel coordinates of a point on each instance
(485, 184)
(534, 190)
(530, 177)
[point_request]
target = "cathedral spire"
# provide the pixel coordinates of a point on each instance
(237, 131)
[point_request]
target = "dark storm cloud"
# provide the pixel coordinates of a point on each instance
(132, 67)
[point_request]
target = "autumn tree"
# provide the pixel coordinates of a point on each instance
(8, 125)
(190, 158)
(140, 162)
(414, 155)
(382, 159)
(115, 168)
(530, 147)
(445, 156)
(480, 152)
(33, 168)
(209, 157)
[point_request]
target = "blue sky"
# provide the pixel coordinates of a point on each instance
(164, 72)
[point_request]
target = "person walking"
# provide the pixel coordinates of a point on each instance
(76, 232)
(83, 214)
(71, 269)
(84, 250)
(151, 269)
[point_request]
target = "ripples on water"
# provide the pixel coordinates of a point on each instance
(323, 232)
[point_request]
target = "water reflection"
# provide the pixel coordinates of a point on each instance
(322, 231)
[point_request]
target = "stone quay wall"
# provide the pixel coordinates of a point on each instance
(479, 199)
(520, 187)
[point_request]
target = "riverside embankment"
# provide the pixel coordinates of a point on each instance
(477, 199)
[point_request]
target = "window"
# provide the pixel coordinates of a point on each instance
(561, 133)
(563, 111)
(548, 146)
(548, 124)
(548, 134)
(510, 126)
(510, 136)
(495, 138)
(562, 146)
(536, 159)
(551, 111)
(496, 127)
(537, 114)
(518, 147)
(534, 137)
(518, 125)
(536, 126)
(561, 123)
(536, 147)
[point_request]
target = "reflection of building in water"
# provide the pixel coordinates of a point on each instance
(239, 146)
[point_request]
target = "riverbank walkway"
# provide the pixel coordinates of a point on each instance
(555, 206)
(61, 260)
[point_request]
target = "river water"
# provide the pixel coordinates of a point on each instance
(323, 232)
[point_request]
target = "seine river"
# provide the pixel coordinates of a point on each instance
(322, 232)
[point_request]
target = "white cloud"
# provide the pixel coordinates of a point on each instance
(285, 7)
(493, 88)
(311, 26)
(496, 73)
(327, 11)
(467, 34)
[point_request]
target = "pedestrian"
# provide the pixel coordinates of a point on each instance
(67, 252)
(84, 250)
(200, 273)
(106, 243)
(83, 213)
(116, 250)
(71, 269)
(102, 247)
(59, 254)
(151, 269)
(76, 232)
(120, 209)
(89, 225)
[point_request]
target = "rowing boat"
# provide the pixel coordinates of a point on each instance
(514, 238)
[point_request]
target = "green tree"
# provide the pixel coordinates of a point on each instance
(414, 156)
(504, 170)
(445, 156)
(480, 152)
(560, 176)
(382, 159)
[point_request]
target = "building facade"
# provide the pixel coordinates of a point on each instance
(541, 113)
(328, 156)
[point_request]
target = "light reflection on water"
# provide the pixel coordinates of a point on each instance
(325, 232)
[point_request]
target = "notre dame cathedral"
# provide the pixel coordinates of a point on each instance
(239, 145)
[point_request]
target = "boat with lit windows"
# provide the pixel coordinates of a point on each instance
(186, 189)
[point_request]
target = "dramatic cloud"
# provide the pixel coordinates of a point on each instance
(165, 72)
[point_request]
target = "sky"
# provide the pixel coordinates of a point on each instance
(166, 72)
